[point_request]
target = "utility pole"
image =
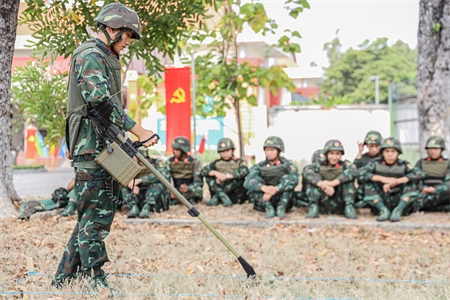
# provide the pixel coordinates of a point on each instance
(194, 103)
(376, 79)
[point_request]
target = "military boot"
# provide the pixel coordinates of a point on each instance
(442, 208)
(99, 282)
(281, 211)
(214, 200)
(270, 211)
(134, 211)
(69, 210)
(225, 199)
(350, 211)
(396, 215)
(313, 211)
(360, 204)
(384, 211)
(145, 211)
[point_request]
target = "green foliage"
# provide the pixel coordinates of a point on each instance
(140, 105)
(42, 97)
(436, 27)
(349, 72)
(61, 25)
(27, 167)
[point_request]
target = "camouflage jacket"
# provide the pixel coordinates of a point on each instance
(198, 177)
(160, 167)
(254, 182)
(446, 181)
(359, 161)
(239, 173)
(311, 172)
(413, 174)
(93, 77)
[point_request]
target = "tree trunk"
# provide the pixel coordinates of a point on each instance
(237, 110)
(9, 10)
(433, 74)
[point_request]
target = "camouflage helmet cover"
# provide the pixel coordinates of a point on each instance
(182, 143)
(274, 142)
(120, 16)
(435, 142)
(144, 151)
(391, 142)
(373, 137)
(225, 144)
(317, 156)
(333, 145)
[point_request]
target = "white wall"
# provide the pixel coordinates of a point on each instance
(306, 130)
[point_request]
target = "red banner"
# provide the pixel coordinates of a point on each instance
(178, 104)
(30, 147)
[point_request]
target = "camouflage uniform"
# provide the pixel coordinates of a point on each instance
(374, 194)
(94, 80)
(231, 191)
(343, 199)
(282, 173)
(153, 196)
(300, 197)
(372, 137)
(437, 174)
(32, 207)
(187, 171)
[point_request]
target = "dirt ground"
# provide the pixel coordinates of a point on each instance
(293, 251)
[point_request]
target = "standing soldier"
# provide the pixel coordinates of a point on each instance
(331, 186)
(149, 194)
(271, 183)
(186, 171)
(435, 187)
(94, 81)
(372, 141)
(390, 182)
(225, 176)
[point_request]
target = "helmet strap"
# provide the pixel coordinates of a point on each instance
(112, 42)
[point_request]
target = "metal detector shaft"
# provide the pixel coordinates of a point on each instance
(194, 212)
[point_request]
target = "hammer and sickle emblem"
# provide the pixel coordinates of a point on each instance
(179, 96)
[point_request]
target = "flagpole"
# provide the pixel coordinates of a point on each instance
(194, 103)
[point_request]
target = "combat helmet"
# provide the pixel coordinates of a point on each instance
(333, 145)
(373, 137)
(435, 142)
(59, 197)
(391, 142)
(225, 144)
(181, 143)
(317, 156)
(274, 142)
(144, 152)
(118, 16)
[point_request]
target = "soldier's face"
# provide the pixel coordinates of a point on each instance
(390, 155)
(227, 154)
(434, 153)
(177, 153)
(334, 156)
(374, 149)
(271, 153)
(124, 43)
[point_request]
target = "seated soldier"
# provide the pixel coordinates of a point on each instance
(300, 198)
(185, 172)
(372, 141)
(225, 176)
(149, 194)
(435, 185)
(390, 182)
(71, 207)
(271, 183)
(331, 187)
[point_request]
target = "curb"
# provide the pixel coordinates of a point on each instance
(19, 171)
(400, 226)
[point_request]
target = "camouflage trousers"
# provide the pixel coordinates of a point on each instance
(85, 252)
(374, 191)
(233, 188)
(300, 197)
(281, 198)
(195, 192)
(344, 194)
(155, 195)
(432, 201)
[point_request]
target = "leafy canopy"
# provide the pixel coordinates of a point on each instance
(349, 72)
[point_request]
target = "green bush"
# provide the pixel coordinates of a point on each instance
(28, 167)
